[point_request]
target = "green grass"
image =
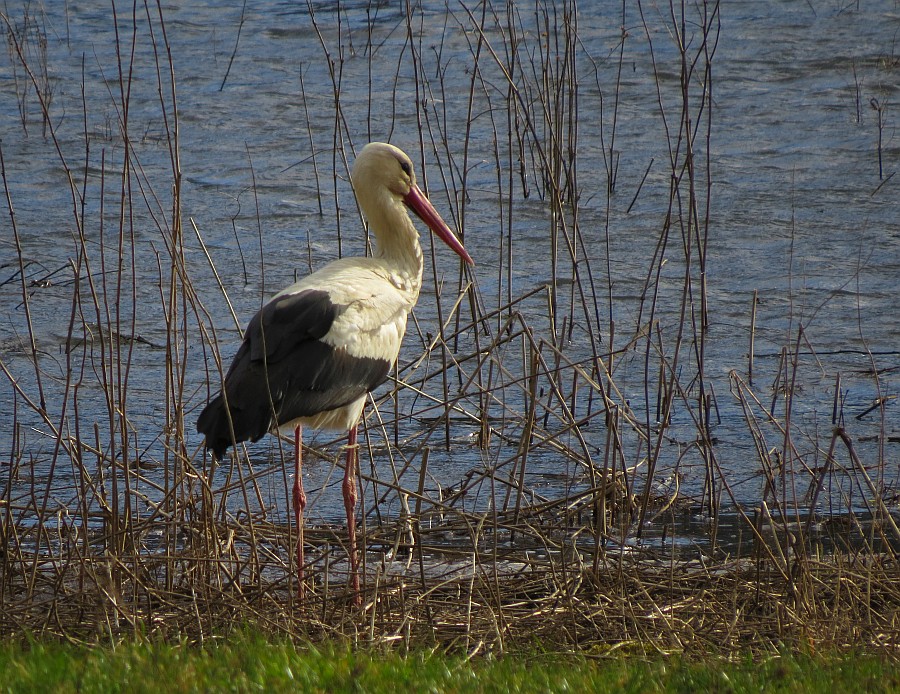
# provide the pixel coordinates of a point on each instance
(250, 663)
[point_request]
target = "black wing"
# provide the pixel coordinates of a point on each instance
(284, 370)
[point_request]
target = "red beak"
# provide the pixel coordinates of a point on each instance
(418, 203)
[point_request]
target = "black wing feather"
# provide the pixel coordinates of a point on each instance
(283, 370)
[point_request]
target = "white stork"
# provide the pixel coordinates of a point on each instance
(314, 351)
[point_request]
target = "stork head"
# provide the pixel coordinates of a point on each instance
(382, 169)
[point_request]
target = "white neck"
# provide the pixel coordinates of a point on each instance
(396, 241)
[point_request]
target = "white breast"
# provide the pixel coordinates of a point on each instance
(377, 302)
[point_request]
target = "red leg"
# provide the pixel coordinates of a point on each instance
(349, 489)
(299, 505)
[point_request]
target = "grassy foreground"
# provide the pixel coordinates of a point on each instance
(249, 663)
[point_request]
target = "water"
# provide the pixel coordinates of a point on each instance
(798, 213)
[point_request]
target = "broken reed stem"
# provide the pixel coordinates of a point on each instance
(752, 338)
(837, 409)
(525, 444)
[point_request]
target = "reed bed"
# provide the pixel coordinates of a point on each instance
(114, 521)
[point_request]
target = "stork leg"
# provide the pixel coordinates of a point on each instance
(349, 489)
(299, 506)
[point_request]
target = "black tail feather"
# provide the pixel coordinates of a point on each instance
(213, 423)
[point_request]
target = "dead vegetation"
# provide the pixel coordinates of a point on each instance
(459, 585)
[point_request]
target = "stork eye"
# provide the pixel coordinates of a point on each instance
(407, 167)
